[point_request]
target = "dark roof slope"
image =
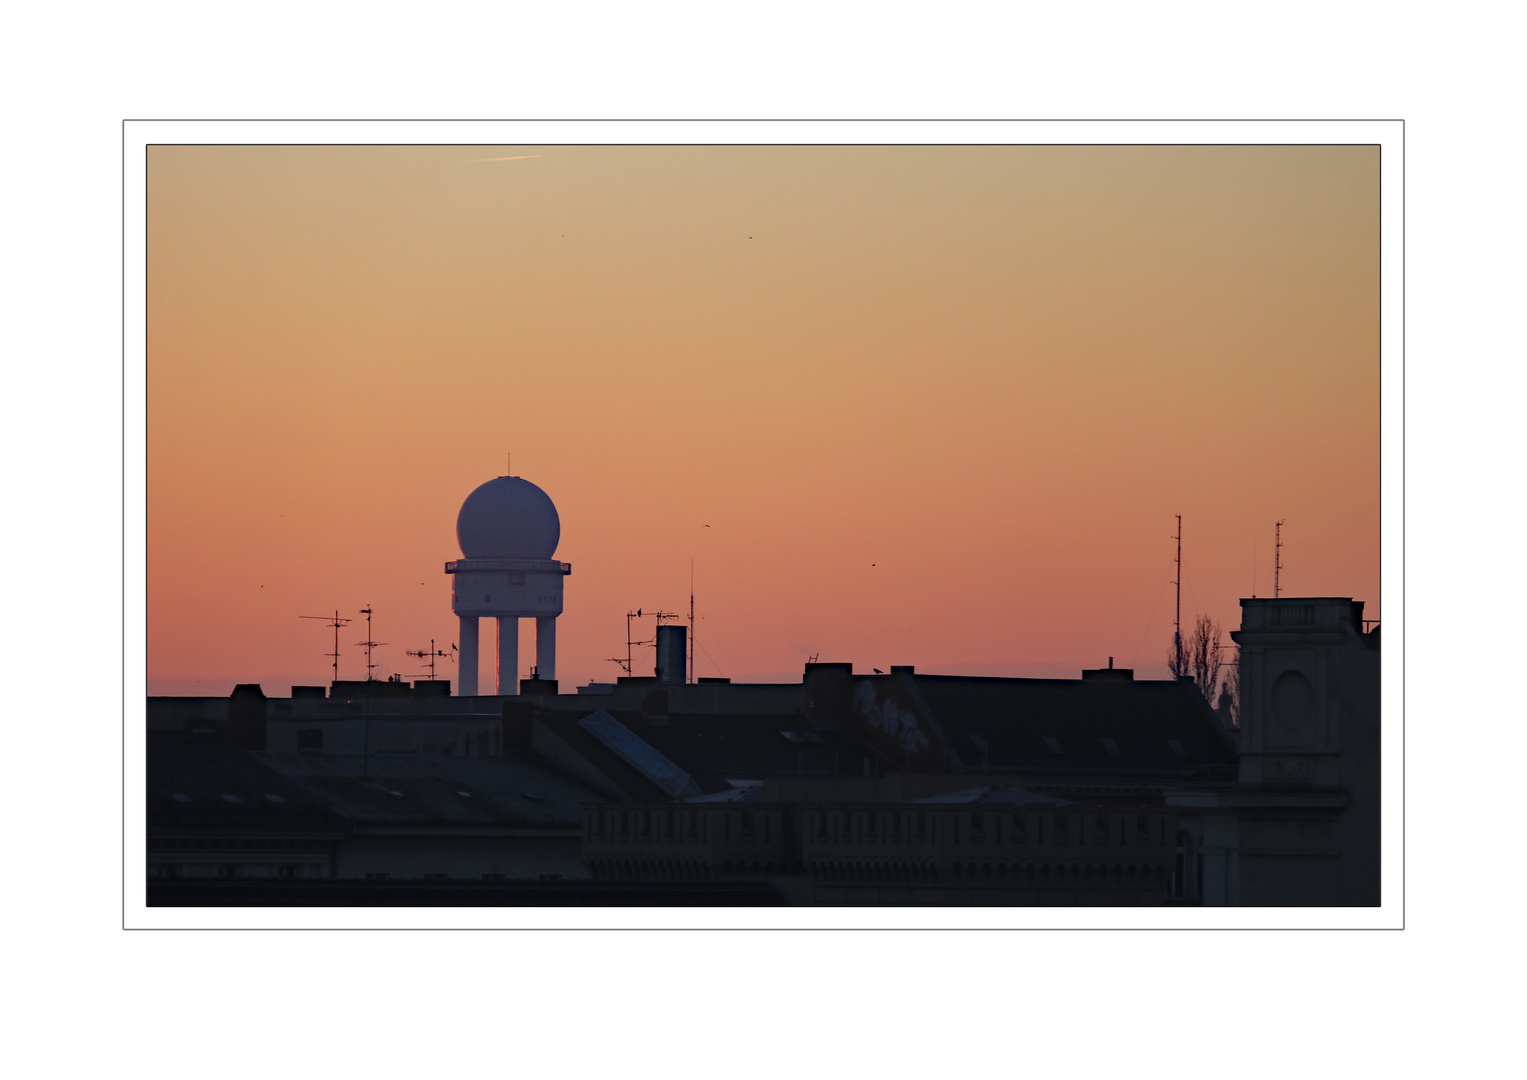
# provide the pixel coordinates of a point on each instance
(1122, 727)
(716, 748)
(437, 789)
(200, 783)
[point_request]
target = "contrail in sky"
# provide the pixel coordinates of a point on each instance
(521, 157)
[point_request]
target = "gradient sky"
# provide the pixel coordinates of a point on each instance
(937, 405)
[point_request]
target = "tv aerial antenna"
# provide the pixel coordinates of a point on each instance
(432, 653)
(336, 622)
(369, 643)
(1177, 624)
(626, 663)
(1277, 570)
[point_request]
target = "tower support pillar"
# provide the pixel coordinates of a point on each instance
(546, 646)
(508, 654)
(466, 676)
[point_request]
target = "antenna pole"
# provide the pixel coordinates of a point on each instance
(691, 619)
(370, 643)
(366, 611)
(1177, 625)
(1277, 572)
(336, 622)
(434, 651)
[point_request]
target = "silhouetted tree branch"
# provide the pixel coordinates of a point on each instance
(1207, 658)
(1200, 656)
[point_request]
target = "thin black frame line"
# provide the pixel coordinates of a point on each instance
(762, 120)
(1404, 775)
(772, 145)
(784, 929)
(122, 447)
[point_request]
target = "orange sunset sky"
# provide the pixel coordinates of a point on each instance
(901, 405)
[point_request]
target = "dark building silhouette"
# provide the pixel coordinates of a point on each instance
(845, 788)
(216, 811)
(1301, 822)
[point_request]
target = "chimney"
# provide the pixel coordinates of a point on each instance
(670, 654)
(1109, 673)
(246, 716)
(537, 685)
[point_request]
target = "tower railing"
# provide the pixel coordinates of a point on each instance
(458, 566)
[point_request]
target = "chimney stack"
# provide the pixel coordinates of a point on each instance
(670, 654)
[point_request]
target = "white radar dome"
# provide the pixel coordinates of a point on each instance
(508, 518)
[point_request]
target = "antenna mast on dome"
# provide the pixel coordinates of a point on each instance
(336, 622)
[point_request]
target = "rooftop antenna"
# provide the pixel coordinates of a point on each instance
(630, 641)
(336, 622)
(1277, 557)
(366, 611)
(691, 676)
(1177, 625)
(626, 663)
(432, 653)
(508, 463)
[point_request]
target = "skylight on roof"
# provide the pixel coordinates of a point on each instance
(232, 798)
(639, 754)
(791, 736)
(465, 794)
(274, 798)
(181, 798)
